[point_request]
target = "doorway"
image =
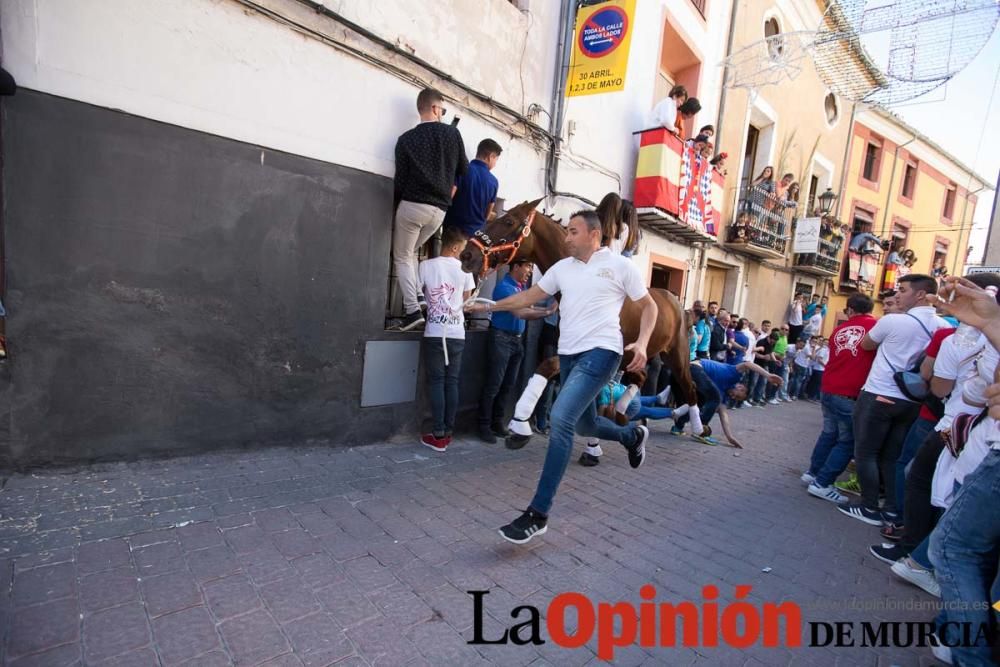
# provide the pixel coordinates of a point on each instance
(749, 156)
(715, 284)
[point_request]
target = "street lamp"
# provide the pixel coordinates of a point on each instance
(826, 201)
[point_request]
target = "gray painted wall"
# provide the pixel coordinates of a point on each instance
(173, 291)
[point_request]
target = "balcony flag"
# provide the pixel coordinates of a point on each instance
(600, 48)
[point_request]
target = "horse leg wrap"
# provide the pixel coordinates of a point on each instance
(680, 411)
(594, 447)
(526, 405)
(696, 426)
(622, 405)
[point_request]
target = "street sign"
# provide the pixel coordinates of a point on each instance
(601, 48)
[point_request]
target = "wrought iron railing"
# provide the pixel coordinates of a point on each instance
(825, 258)
(762, 220)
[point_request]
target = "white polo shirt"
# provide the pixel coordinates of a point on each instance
(592, 296)
(901, 340)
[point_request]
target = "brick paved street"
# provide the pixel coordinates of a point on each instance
(316, 555)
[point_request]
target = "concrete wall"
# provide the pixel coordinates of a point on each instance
(170, 290)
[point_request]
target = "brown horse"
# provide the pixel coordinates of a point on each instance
(505, 239)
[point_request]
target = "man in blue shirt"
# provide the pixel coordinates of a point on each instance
(476, 191)
(504, 352)
(811, 307)
(712, 381)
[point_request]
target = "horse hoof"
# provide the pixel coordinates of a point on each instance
(515, 441)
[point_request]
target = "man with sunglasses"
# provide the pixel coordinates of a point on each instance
(429, 159)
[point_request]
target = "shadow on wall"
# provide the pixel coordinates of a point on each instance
(175, 291)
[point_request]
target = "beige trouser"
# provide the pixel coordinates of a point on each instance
(414, 225)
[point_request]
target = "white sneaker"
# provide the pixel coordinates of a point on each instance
(906, 568)
(827, 493)
(774, 401)
(807, 479)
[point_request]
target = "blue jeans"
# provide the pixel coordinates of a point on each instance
(503, 360)
(814, 384)
(649, 409)
(582, 377)
(709, 396)
(442, 382)
(835, 445)
(797, 384)
(914, 438)
(964, 548)
(759, 383)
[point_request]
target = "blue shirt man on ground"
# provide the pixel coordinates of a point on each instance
(476, 191)
(712, 381)
(504, 352)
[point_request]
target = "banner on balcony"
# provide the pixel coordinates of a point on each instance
(806, 236)
(601, 48)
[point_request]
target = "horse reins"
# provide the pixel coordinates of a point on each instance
(485, 244)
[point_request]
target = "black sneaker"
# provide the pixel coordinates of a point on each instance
(486, 435)
(887, 553)
(525, 527)
(861, 513)
(499, 430)
(637, 452)
(412, 320)
(589, 460)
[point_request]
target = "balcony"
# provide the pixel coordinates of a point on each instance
(675, 192)
(824, 262)
(762, 225)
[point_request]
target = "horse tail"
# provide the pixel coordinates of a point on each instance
(679, 356)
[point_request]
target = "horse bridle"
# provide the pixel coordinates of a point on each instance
(485, 244)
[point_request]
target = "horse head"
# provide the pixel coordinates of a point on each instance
(495, 238)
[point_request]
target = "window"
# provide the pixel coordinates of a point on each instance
(813, 188)
(949, 202)
(772, 33)
(871, 168)
(909, 180)
(830, 106)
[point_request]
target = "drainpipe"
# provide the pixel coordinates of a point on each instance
(961, 224)
(567, 24)
(847, 159)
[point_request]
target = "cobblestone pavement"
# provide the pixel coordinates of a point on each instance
(362, 556)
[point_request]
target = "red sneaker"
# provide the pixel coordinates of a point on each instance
(437, 444)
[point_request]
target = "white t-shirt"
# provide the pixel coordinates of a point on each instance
(663, 114)
(802, 356)
(815, 324)
(975, 450)
(822, 358)
(901, 340)
(444, 283)
(954, 363)
(592, 296)
(795, 314)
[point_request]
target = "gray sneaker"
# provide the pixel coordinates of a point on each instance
(807, 479)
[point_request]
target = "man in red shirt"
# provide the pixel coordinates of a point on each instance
(845, 374)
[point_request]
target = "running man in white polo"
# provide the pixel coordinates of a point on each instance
(594, 283)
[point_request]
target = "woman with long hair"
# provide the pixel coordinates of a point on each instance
(628, 229)
(609, 211)
(765, 177)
